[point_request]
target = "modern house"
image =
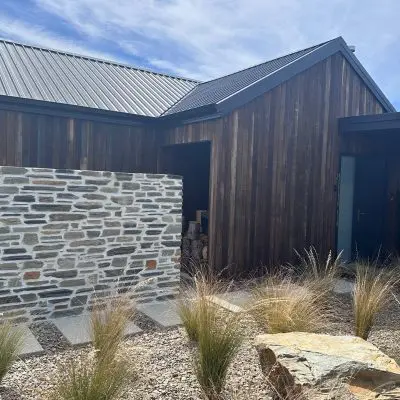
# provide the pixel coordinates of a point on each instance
(266, 150)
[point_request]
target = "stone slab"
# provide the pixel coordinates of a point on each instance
(233, 301)
(76, 329)
(30, 346)
(343, 286)
(163, 313)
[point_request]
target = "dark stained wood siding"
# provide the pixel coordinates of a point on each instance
(274, 166)
(274, 161)
(57, 142)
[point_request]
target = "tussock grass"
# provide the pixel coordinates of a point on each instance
(89, 379)
(219, 339)
(11, 340)
(108, 324)
(371, 294)
(104, 375)
(282, 304)
(322, 272)
(194, 299)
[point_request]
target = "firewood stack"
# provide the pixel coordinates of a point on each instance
(194, 245)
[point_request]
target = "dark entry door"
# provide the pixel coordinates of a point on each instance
(370, 188)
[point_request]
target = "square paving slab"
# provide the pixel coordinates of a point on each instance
(30, 344)
(233, 301)
(343, 286)
(163, 313)
(76, 329)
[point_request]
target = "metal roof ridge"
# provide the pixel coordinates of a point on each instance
(267, 61)
(317, 47)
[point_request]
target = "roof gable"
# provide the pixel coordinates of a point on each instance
(232, 91)
(35, 73)
(217, 90)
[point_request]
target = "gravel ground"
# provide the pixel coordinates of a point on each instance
(163, 360)
(385, 334)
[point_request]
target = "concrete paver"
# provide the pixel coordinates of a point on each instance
(76, 329)
(30, 344)
(163, 313)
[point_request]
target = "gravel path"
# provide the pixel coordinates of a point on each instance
(163, 360)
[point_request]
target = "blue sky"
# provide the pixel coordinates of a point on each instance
(204, 39)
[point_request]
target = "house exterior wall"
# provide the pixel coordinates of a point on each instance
(70, 236)
(274, 161)
(49, 141)
(274, 167)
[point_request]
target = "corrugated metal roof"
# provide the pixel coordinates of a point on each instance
(42, 74)
(217, 90)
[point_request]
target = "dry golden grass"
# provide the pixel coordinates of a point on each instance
(219, 339)
(371, 294)
(88, 378)
(108, 324)
(11, 340)
(322, 272)
(282, 304)
(103, 376)
(194, 298)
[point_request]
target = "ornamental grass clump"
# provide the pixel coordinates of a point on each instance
(11, 341)
(283, 304)
(88, 378)
(194, 300)
(103, 375)
(372, 293)
(108, 324)
(219, 340)
(323, 272)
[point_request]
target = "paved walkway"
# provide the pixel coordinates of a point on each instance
(76, 329)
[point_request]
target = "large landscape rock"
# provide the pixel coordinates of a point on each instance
(295, 362)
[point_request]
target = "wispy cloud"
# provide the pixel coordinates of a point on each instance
(36, 35)
(208, 38)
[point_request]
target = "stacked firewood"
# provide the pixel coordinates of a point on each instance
(194, 246)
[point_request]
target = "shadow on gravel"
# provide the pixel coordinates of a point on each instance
(7, 393)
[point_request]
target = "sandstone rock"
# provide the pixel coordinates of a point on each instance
(298, 361)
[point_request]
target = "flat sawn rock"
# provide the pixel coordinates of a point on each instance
(298, 361)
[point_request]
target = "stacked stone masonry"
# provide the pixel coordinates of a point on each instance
(68, 237)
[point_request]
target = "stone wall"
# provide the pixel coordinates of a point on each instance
(67, 236)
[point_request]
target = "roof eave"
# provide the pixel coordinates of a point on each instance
(71, 111)
(202, 113)
(370, 123)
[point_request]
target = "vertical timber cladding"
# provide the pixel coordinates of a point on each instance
(68, 235)
(33, 140)
(274, 166)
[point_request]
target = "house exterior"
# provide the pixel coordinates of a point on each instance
(260, 149)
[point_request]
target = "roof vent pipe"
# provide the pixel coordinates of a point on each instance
(352, 48)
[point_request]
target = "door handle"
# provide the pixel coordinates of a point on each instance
(359, 213)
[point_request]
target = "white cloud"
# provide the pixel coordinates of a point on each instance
(37, 35)
(209, 38)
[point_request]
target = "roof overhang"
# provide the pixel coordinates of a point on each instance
(370, 123)
(72, 111)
